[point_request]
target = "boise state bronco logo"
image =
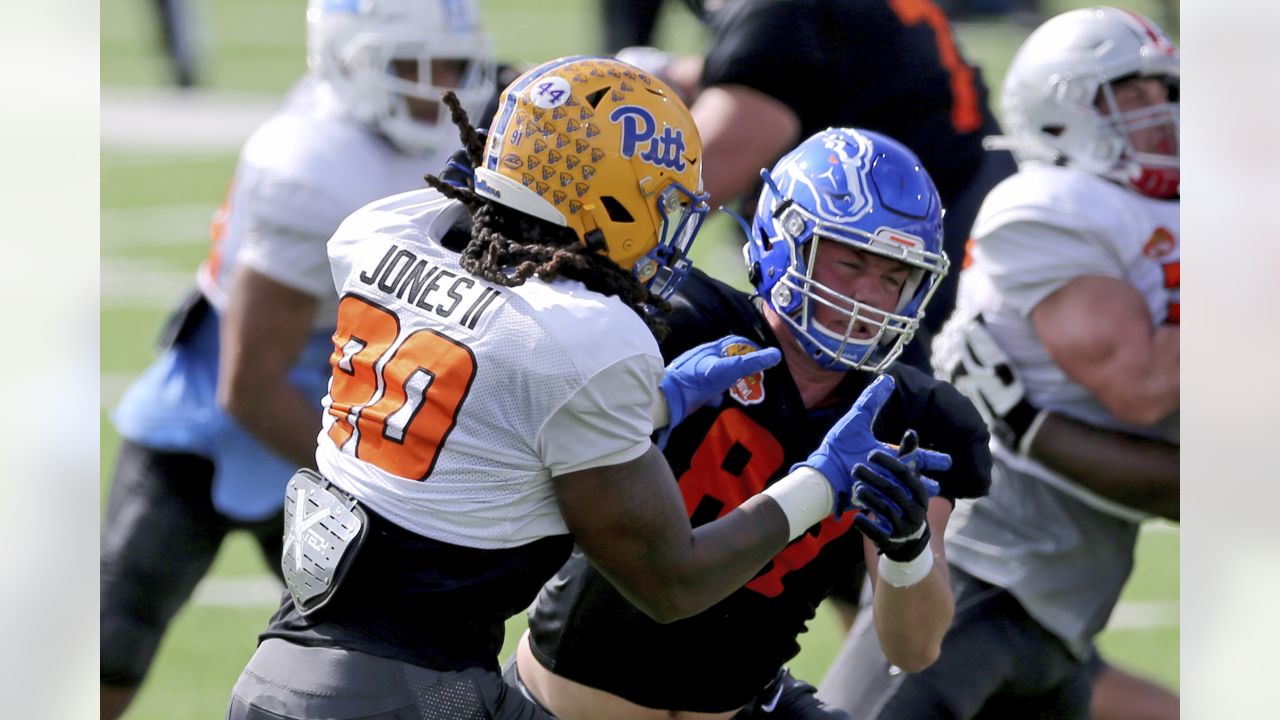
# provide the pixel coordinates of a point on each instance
(839, 193)
(640, 136)
(748, 390)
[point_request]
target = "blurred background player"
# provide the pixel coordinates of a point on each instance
(1075, 281)
(778, 71)
(217, 424)
(495, 382)
(180, 25)
(844, 253)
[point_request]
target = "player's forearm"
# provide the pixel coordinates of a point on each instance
(630, 521)
(1141, 473)
(278, 415)
(723, 556)
(912, 621)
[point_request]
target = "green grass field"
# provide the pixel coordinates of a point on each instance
(155, 210)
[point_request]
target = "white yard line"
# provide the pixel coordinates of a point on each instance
(111, 387)
(142, 284)
(155, 226)
(1139, 615)
(192, 122)
(240, 592)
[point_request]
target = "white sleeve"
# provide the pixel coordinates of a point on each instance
(606, 422)
(1027, 261)
(290, 257)
(288, 227)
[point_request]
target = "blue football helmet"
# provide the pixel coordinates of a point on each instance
(866, 191)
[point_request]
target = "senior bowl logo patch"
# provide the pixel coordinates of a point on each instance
(747, 390)
(1160, 244)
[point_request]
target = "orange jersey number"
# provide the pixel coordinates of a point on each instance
(403, 402)
(735, 461)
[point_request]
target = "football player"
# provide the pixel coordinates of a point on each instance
(495, 379)
(213, 429)
(1075, 281)
(845, 252)
(778, 71)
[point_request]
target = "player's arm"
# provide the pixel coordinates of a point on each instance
(742, 130)
(1099, 331)
(911, 621)
(1141, 473)
(264, 328)
(630, 521)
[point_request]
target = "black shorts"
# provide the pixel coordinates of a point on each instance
(787, 698)
(159, 536)
(996, 662)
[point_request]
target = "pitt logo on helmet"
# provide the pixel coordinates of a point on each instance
(639, 129)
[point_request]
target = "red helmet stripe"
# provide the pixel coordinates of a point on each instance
(1153, 33)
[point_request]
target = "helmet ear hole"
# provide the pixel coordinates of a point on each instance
(593, 99)
(617, 212)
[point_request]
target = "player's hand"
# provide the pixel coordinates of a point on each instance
(893, 496)
(967, 356)
(458, 171)
(701, 375)
(850, 442)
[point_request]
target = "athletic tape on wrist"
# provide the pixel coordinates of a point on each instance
(906, 574)
(1029, 436)
(805, 497)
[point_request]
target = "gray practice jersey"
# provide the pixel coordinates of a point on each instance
(1065, 553)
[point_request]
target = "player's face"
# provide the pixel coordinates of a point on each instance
(444, 73)
(1154, 134)
(870, 279)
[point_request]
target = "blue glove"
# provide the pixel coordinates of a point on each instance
(700, 375)
(458, 172)
(850, 442)
(894, 498)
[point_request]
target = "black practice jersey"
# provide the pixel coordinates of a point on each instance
(891, 66)
(583, 629)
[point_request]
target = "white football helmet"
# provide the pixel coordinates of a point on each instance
(356, 45)
(1067, 65)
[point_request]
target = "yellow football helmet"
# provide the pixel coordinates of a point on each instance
(604, 148)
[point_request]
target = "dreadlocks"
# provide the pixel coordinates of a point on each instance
(543, 249)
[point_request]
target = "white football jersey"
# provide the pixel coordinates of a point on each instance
(1041, 228)
(1063, 551)
(454, 401)
(300, 173)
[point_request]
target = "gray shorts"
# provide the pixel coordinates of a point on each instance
(284, 680)
(996, 662)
